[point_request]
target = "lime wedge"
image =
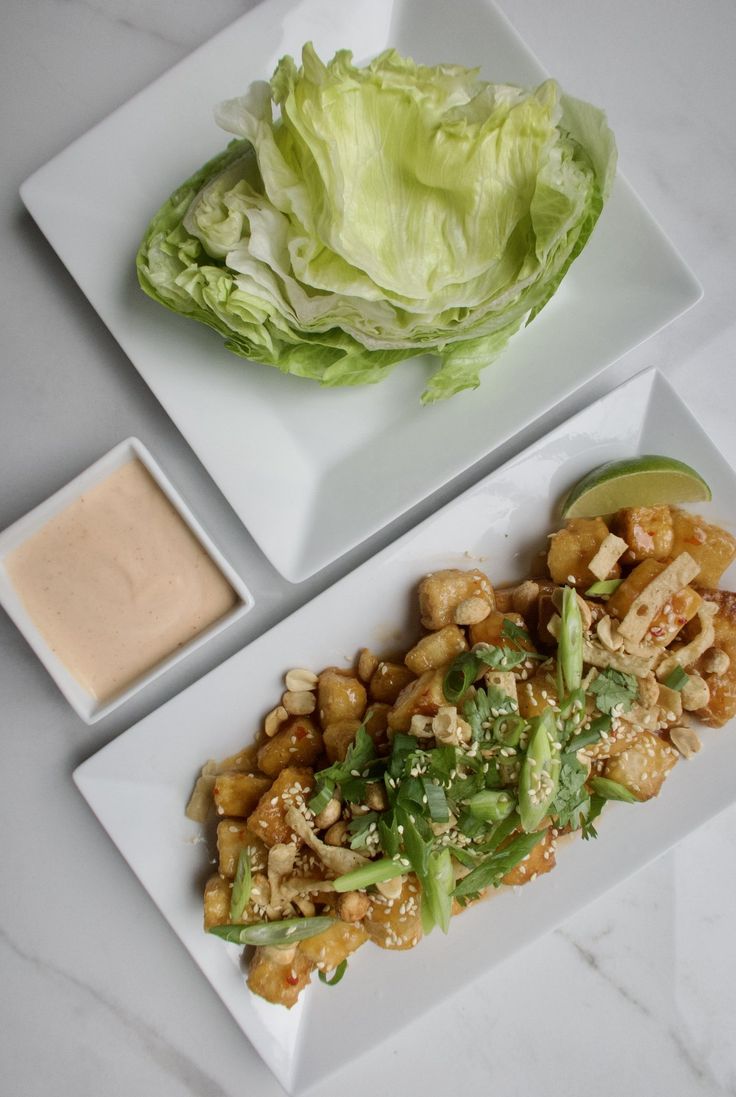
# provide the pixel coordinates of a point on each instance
(634, 482)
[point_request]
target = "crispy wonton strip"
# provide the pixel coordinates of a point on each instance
(656, 595)
(690, 653)
(200, 801)
(597, 656)
(609, 552)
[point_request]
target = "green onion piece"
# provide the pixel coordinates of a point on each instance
(677, 679)
(590, 735)
(540, 772)
(498, 864)
(436, 801)
(611, 790)
(286, 932)
(437, 888)
(570, 646)
(319, 802)
(604, 586)
(242, 886)
(509, 730)
(336, 976)
(373, 873)
(492, 805)
(462, 673)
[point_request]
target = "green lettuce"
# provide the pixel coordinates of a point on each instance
(366, 215)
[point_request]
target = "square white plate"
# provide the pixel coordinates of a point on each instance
(139, 784)
(342, 463)
(85, 704)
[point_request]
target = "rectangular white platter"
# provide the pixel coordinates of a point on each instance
(340, 463)
(139, 784)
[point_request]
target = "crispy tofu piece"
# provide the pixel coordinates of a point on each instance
(292, 787)
(571, 549)
(388, 680)
(278, 982)
(238, 793)
(540, 860)
(423, 696)
(436, 649)
(710, 546)
(643, 766)
(396, 923)
(441, 593)
(340, 696)
(244, 761)
(232, 836)
(216, 901)
(722, 704)
(647, 531)
(327, 950)
(338, 737)
(678, 610)
(298, 742)
(536, 693)
(490, 631)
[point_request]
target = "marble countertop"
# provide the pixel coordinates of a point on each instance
(636, 994)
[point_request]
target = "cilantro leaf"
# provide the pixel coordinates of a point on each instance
(360, 754)
(613, 690)
(597, 804)
(572, 801)
(511, 631)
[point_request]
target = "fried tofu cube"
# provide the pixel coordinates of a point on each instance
(442, 592)
(643, 766)
(680, 608)
(277, 981)
(722, 704)
(710, 546)
(436, 649)
(238, 793)
(396, 923)
(340, 696)
(424, 695)
(537, 693)
(298, 742)
(388, 680)
(337, 738)
(232, 837)
(540, 860)
(292, 787)
(571, 549)
(217, 892)
(328, 949)
(648, 531)
(491, 631)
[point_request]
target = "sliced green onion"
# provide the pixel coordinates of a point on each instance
(509, 729)
(677, 679)
(437, 888)
(336, 976)
(540, 772)
(611, 790)
(590, 735)
(604, 586)
(286, 932)
(492, 805)
(376, 872)
(436, 801)
(462, 673)
(319, 802)
(242, 886)
(498, 864)
(570, 644)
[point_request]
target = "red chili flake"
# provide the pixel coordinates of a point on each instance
(657, 630)
(300, 731)
(292, 979)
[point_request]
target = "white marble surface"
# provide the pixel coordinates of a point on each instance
(635, 995)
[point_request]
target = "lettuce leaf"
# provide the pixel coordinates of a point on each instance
(365, 215)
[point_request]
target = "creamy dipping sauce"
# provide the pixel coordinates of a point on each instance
(117, 582)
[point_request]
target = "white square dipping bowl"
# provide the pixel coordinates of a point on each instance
(88, 707)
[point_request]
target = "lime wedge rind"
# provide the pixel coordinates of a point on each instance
(647, 480)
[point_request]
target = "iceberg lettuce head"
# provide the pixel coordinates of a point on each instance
(365, 215)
